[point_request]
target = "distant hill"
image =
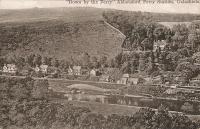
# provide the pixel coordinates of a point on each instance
(65, 32)
(60, 33)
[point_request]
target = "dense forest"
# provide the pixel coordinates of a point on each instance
(180, 53)
(25, 104)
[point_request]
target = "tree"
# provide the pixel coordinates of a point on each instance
(159, 33)
(142, 62)
(103, 61)
(147, 44)
(54, 62)
(20, 62)
(118, 59)
(46, 60)
(180, 35)
(94, 62)
(40, 89)
(187, 107)
(29, 59)
(37, 61)
(85, 59)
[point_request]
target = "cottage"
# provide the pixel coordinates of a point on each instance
(5, 69)
(77, 70)
(196, 78)
(171, 91)
(133, 80)
(95, 72)
(43, 68)
(124, 79)
(195, 81)
(105, 78)
(37, 69)
(159, 44)
(9, 68)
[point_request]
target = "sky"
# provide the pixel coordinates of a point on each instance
(163, 8)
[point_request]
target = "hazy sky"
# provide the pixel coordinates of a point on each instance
(165, 8)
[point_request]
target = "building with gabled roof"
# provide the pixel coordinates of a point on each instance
(9, 68)
(159, 44)
(77, 70)
(43, 68)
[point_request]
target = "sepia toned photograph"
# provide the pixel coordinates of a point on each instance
(99, 64)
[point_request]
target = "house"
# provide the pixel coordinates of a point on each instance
(37, 69)
(138, 78)
(133, 81)
(9, 68)
(43, 68)
(195, 81)
(105, 78)
(77, 70)
(95, 72)
(124, 79)
(196, 78)
(5, 69)
(171, 91)
(159, 44)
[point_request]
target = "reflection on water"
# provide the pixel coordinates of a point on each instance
(141, 101)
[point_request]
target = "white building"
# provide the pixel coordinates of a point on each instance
(159, 44)
(43, 68)
(37, 69)
(77, 70)
(124, 79)
(95, 72)
(9, 68)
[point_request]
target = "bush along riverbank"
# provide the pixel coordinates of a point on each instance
(24, 104)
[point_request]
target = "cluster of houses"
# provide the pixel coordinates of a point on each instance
(158, 45)
(13, 69)
(79, 70)
(113, 75)
(9, 68)
(45, 69)
(107, 75)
